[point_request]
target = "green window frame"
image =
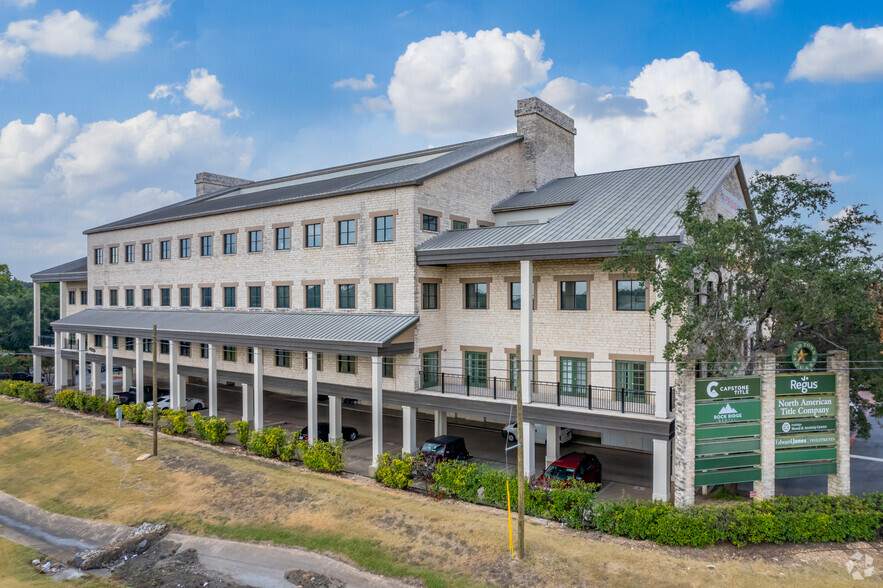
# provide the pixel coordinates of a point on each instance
(573, 375)
(314, 296)
(114, 255)
(515, 296)
(255, 241)
(513, 372)
(384, 296)
(99, 297)
(476, 295)
(229, 353)
(458, 225)
(475, 368)
(631, 377)
(346, 364)
(283, 296)
(574, 295)
(631, 295)
(431, 363)
(430, 223)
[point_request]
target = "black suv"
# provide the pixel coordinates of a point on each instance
(130, 396)
(444, 448)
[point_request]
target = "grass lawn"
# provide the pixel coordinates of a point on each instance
(16, 570)
(73, 465)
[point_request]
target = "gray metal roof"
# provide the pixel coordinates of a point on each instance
(380, 174)
(348, 334)
(72, 271)
(605, 206)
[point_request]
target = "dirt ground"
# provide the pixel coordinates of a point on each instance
(87, 467)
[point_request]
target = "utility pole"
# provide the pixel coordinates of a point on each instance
(155, 407)
(519, 423)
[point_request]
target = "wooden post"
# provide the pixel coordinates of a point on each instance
(519, 422)
(155, 407)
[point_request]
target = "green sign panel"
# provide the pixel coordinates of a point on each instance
(803, 406)
(726, 476)
(728, 461)
(806, 426)
(727, 432)
(815, 383)
(727, 446)
(799, 470)
(726, 388)
(801, 455)
(806, 440)
(728, 412)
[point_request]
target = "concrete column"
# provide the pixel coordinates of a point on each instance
(96, 382)
(127, 377)
(839, 483)
(376, 409)
(139, 369)
(38, 366)
(213, 380)
(108, 368)
(529, 439)
(258, 386)
(661, 470)
(409, 430)
(553, 444)
(182, 390)
(312, 398)
(441, 422)
(685, 439)
(335, 418)
(59, 369)
(766, 487)
(526, 331)
(247, 403)
(659, 370)
(81, 361)
(175, 395)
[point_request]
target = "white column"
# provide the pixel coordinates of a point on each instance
(139, 369)
(96, 382)
(441, 422)
(335, 419)
(659, 377)
(175, 396)
(81, 361)
(258, 387)
(376, 408)
(553, 444)
(526, 330)
(840, 484)
(59, 369)
(247, 403)
(38, 366)
(213, 379)
(312, 398)
(108, 368)
(182, 390)
(127, 377)
(409, 430)
(528, 439)
(661, 470)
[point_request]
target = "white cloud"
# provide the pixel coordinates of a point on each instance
(751, 5)
(27, 150)
(453, 82)
(12, 57)
(355, 83)
(402, 14)
(841, 54)
(836, 178)
(373, 104)
(202, 89)
(761, 86)
(774, 145)
(803, 167)
(20, 3)
(161, 91)
(71, 33)
(582, 100)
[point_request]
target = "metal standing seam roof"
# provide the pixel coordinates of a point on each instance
(305, 331)
(72, 271)
(327, 183)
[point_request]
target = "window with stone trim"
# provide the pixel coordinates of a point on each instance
(229, 243)
(313, 293)
(99, 297)
(146, 251)
(72, 297)
(184, 248)
(346, 232)
(388, 367)
(430, 223)
(165, 296)
(184, 349)
(206, 295)
(384, 296)
(283, 238)
(84, 297)
(205, 246)
(283, 296)
(165, 249)
(346, 296)
(346, 364)
(255, 241)
(229, 353)
(384, 229)
(283, 358)
(255, 296)
(430, 296)
(130, 297)
(630, 295)
(184, 296)
(99, 256)
(130, 254)
(318, 361)
(476, 295)
(114, 300)
(146, 297)
(114, 255)
(574, 295)
(229, 296)
(313, 235)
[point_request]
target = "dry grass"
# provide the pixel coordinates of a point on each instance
(83, 467)
(16, 570)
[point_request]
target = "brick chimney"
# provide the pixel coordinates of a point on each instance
(207, 183)
(548, 142)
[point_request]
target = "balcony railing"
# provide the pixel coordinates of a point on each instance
(49, 341)
(623, 400)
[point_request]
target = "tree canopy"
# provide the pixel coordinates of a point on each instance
(17, 311)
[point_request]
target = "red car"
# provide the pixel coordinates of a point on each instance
(573, 466)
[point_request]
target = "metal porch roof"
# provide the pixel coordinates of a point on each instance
(72, 271)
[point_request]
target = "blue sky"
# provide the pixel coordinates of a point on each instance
(110, 108)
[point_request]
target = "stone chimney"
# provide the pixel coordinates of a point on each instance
(548, 142)
(207, 183)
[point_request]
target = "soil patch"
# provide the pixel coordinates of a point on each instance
(164, 566)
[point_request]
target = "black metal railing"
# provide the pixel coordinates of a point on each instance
(47, 341)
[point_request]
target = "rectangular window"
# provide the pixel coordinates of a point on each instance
(84, 297)
(146, 297)
(164, 347)
(346, 296)
(206, 294)
(165, 249)
(388, 367)
(251, 355)
(146, 251)
(114, 255)
(165, 296)
(313, 235)
(346, 232)
(430, 363)
(384, 297)
(99, 340)
(476, 295)
(130, 297)
(184, 297)
(574, 295)
(430, 296)
(130, 344)
(314, 296)
(383, 229)
(346, 364)
(229, 353)
(147, 345)
(573, 373)
(99, 256)
(99, 297)
(203, 350)
(630, 295)
(229, 243)
(255, 241)
(318, 362)
(283, 296)
(459, 225)
(283, 238)
(283, 358)
(430, 223)
(205, 246)
(513, 371)
(475, 368)
(184, 349)
(114, 301)
(72, 297)
(115, 342)
(184, 248)
(255, 295)
(229, 296)
(130, 254)
(515, 296)
(631, 379)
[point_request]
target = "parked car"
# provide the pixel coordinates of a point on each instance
(21, 377)
(444, 448)
(130, 396)
(165, 402)
(573, 466)
(349, 433)
(510, 433)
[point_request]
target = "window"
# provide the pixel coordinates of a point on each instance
(229, 353)
(255, 293)
(283, 238)
(476, 295)
(430, 363)
(114, 255)
(318, 362)
(130, 254)
(206, 297)
(229, 243)
(114, 342)
(99, 297)
(251, 355)
(346, 364)
(146, 251)
(184, 349)
(205, 245)
(130, 344)
(513, 371)
(430, 296)
(384, 298)
(430, 223)
(184, 297)
(130, 297)
(84, 297)
(184, 248)
(459, 225)
(283, 358)
(147, 346)
(574, 295)
(346, 296)
(99, 256)
(388, 367)
(346, 232)
(203, 350)
(313, 235)
(114, 301)
(475, 368)
(573, 373)
(146, 297)
(515, 295)
(164, 347)
(630, 295)
(283, 296)
(229, 296)
(165, 249)
(99, 340)
(314, 296)
(255, 241)
(165, 296)
(72, 297)
(631, 379)
(383, 229)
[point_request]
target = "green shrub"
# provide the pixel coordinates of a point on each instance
(109, 408)
(66, 398)
(137, 413)
(24, 390)
(290, 449)
(323, 456)
(177, 422)
(212, 429)
(242, 432)
(267, 442)
(395, 472)
(87, 403)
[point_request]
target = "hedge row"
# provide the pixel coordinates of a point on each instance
(87, 403)
(24, 390)
(274, 443)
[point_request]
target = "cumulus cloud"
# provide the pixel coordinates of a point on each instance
(841, 54)
(27, 150)
(373, 104)
(202, 89)
(450, 82)
(582, 100)
(751, 5)
(20, 3)
(356, 84)
(773, 145)
(12, 57)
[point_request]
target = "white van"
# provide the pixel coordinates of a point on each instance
(510, 433)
